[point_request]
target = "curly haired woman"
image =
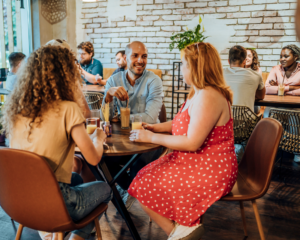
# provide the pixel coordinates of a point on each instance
(252, 61)
(42, 115)
(177, 189)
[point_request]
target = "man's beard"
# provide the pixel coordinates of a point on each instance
(85, 62)
(131, 68)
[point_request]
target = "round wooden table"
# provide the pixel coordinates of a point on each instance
(120, 145)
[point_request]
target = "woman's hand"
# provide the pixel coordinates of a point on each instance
(98, 135)
(148, 126)
(141, 136)
(273, 83)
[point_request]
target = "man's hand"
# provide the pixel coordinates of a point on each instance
(100, 80)
(118, 92)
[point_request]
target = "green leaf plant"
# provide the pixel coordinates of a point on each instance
(181, 40)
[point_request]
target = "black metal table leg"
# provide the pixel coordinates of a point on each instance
(117, 200)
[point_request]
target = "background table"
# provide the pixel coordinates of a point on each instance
(95, 88)
(120, 145)
(288, 101)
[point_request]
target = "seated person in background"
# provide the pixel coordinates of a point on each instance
(287, 72)
(143, 90)
(177, 189)
(15, 60)
(252, 61)
(91, 68)
(121, 61)
(42, 115)
(246, 84)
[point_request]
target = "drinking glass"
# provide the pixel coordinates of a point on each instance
(125, 117)
(281, 90)
(91, 125)
(137, 122)
(95, 113)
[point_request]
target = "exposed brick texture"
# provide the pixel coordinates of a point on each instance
(267, 25)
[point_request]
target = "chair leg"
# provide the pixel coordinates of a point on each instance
(98, 230)
(19, 232)
(260, 228)
(243, 218)
(60, 236)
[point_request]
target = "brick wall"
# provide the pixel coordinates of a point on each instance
(266, 25)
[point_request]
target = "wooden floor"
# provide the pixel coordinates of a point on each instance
(279, 210)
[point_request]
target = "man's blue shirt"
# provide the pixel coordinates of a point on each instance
(94, 67)
(118, 70)
(145, 97)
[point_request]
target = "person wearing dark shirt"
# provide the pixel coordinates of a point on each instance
(121, 61)
(91, 68)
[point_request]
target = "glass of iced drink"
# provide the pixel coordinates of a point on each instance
(91, 125)
(136, 122)
(125, 117)
(281, 90)
(95, 113)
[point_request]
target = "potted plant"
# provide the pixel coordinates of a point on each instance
(181, 40)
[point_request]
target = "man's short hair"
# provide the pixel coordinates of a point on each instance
(122, 52)
(86, 46)
(15, 58)
(237, 53)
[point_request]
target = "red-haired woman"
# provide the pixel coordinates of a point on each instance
(252, 61)
(178, 188)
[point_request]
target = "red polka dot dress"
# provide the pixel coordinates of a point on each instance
(182, 185)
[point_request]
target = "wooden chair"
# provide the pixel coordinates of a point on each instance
(244, 121)
(256, 167)
(30, 194)
(265, 76)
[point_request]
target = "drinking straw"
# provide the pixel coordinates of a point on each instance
(105, 112)
(127, 101)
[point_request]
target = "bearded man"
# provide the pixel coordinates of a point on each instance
(143, 91)
(91, 68)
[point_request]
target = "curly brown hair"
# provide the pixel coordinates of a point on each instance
(49, 76)
(255, 62)
(87, 46)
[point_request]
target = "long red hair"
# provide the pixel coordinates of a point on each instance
(206, 69)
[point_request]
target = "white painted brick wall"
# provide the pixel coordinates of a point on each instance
(267, 25)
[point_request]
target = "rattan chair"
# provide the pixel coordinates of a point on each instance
(244, 121)
(94, 99)
(290, 120)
